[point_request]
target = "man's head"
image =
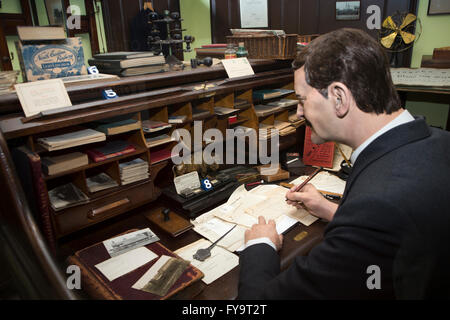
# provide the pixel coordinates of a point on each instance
(343, 70)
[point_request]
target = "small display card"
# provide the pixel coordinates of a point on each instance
(36, 97)
(238, 67)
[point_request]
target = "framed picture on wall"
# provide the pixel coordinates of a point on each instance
(348, 10)
(438, 7)
(55, 12)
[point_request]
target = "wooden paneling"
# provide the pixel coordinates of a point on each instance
(304, 17)
(118, 15)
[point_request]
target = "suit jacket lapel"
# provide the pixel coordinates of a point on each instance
(387, 142)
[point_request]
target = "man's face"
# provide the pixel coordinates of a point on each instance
(314, 107)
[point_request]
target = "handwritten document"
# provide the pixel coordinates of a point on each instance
(243, 208)
(421, 77)
(324, 181)
(220, 262)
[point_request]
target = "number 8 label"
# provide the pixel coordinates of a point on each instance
(206, 184)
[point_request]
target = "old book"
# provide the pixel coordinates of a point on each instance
(110, 150)
(88, 79)
(317, 155)
(100, 182)
(154, 126)
(135, 71)
(67, 195)
(270, 93)
(48, 61)
(98, 286)
(29, 33)
(127, 63)
(177, 119)
(117, 127)
(57, 164)
(123, 55)
(71, 139)
(263, 110)
(158, 140)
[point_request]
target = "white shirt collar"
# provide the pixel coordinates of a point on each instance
(404, 117)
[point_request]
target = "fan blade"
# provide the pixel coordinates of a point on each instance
(388, 40)
(389, 23)
(408, 19)
(407, 37)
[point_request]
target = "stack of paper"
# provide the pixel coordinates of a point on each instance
(266, 131)
(133, 171)
(71, 139)
(263, 110)
(284, 128)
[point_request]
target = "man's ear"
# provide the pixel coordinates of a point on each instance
(341, 96)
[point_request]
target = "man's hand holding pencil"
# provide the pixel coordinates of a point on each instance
(306, 196)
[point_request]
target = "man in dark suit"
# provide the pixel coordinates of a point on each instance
(389, 236)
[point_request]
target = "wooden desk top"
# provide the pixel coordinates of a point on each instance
(224, 288)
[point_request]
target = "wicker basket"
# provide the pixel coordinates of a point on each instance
(307, 37)
(267, 47)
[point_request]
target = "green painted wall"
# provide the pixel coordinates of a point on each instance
(197, 21)
(435, 34)
(11, 6)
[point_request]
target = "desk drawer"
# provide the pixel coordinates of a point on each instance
(76, 218)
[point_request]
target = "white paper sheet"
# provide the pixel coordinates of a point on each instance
(220, 262)
(254, 14)
(324, 181)
(118, 266)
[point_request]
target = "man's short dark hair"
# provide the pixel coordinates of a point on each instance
(356, 59)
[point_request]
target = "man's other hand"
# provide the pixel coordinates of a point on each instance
(267, 230)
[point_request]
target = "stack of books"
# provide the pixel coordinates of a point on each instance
(124, 63)
(295, 120)
(284, 128)
(71, 139)
(266, 131)
(133, 171)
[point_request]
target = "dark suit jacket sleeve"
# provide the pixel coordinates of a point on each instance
(337, 268)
